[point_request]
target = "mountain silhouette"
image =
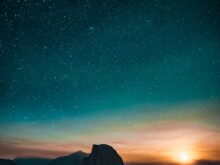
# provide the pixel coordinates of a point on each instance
(103, 155)
(100, 155)
(208, 162)
(31, 161)
(6, 162)
(72, 159)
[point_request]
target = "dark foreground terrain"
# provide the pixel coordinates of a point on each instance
(100, 155)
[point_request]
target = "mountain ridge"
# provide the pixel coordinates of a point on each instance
(100, 155)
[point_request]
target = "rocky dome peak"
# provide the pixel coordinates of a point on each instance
(103, 155)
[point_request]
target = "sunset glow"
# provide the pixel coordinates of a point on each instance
(160, 140)
(184, 157)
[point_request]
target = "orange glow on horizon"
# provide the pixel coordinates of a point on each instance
(166, 142)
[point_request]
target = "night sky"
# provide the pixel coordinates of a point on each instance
(140, 75)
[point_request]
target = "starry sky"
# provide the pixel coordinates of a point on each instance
(142, 76)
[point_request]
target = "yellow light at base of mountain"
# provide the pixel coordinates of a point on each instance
(184, 157)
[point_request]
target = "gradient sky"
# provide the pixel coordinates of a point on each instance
(142, 76)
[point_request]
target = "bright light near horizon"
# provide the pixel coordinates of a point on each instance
(184, 157)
